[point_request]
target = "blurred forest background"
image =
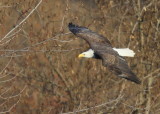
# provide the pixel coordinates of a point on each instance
(39, 68)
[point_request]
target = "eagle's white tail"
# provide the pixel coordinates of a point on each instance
(125, 52)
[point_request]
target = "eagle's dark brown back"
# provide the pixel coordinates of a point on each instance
(103, 48)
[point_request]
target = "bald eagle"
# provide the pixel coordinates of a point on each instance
(101, 48)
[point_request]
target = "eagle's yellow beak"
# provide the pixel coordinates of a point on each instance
(81, 55)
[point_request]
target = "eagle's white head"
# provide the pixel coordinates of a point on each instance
(87, 54)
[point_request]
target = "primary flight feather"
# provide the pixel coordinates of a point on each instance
(101, 48)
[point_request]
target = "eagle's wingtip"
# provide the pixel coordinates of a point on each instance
(135, 80)
(73, 28)
(70, 24)
(132, 78)
(138, 82)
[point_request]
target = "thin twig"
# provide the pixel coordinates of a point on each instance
(49, 39)
(11, 106)
(6, 66)
(97, 106)
(13, 95)
(21, 22)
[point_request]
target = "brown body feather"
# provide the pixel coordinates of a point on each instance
(103, 48)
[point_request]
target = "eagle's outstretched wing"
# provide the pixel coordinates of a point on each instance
(118, 66)
(91, 37)
(103, 48)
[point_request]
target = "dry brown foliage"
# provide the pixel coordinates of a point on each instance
(39, 68)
